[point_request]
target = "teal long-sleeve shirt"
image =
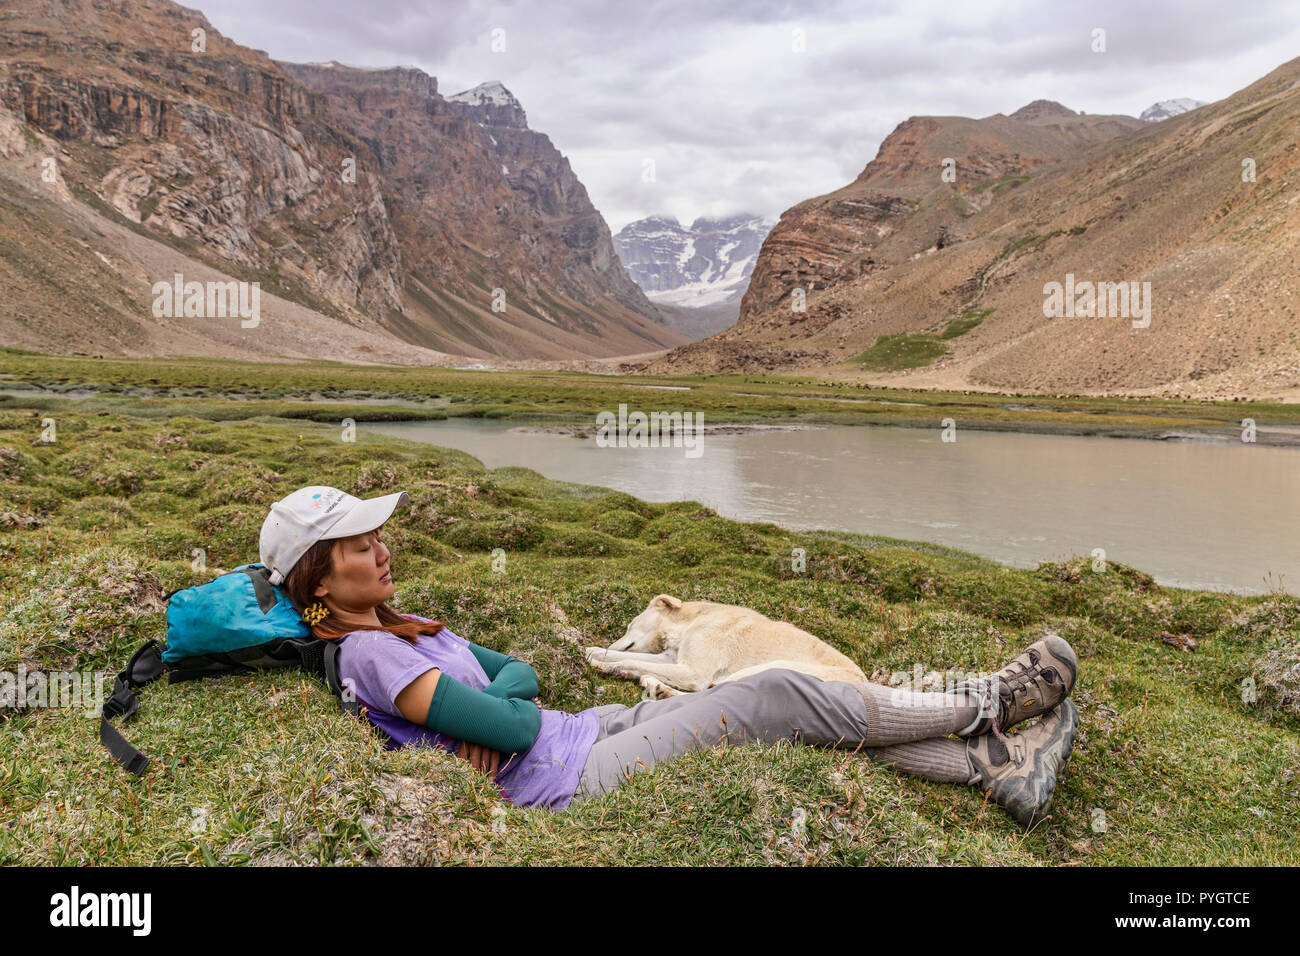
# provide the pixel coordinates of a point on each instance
(501, 716)
(510, 677)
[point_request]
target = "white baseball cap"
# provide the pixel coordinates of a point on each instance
(317, 513)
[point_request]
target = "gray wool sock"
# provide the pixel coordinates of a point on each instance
(940, 759)
(896, 716)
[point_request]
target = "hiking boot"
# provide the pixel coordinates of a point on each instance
(1036, 681)
(1022, 774)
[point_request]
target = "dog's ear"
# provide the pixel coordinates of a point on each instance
(667, 601)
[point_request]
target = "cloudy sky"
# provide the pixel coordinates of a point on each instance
(754, 105)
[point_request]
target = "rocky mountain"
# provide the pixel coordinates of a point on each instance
(696, 276)
(1167, 108)
(136, 139)
(481, 202)
(900, 198)
(1204, 207)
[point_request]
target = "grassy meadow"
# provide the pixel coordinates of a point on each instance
(225, 389)
(1174, 764)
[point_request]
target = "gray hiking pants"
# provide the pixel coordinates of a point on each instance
(772, 705)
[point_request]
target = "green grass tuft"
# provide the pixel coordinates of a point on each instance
(968, 321)
(892, 353)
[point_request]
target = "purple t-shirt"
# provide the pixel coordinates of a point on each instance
(380, 665)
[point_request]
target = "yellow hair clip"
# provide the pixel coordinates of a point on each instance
(315, 613)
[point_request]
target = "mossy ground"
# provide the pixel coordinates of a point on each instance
(892, 353)
(96, 526)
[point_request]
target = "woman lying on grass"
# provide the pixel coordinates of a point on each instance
(424, 685)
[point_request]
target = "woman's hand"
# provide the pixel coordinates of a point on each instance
(480, 758)
(485, 758)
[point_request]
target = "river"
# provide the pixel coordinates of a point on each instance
(1196, 514)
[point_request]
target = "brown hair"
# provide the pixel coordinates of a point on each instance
(308, 572)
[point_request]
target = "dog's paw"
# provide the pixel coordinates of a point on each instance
(596, 655)
(652, 688)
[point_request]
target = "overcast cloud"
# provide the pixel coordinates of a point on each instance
(733, 117)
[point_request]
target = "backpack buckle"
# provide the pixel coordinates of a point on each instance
(122, 702)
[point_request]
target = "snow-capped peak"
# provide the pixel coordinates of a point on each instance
(491, 93)
(490, 104)
(705, 265)
(1167, 108)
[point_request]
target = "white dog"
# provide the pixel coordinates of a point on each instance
(676, 646)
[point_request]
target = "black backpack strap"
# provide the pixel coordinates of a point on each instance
(281, 652)
(352, 706)
(146, 665)
(356, 706)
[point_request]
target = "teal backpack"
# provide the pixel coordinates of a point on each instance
(236, 623)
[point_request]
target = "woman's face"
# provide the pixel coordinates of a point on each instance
(360, 577)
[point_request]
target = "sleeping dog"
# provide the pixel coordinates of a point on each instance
(676, 646)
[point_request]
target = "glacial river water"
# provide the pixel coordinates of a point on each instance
(1192, 514)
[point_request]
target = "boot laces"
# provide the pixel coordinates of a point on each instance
(1026, 674)
(1022, 677)
(995, 727)
(993, 698)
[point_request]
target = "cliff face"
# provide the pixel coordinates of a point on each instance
(367, 198)
(549, 196)
(481, 203)
(218, 148)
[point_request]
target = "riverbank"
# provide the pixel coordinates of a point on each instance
(219, 389)
(1175, 764)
